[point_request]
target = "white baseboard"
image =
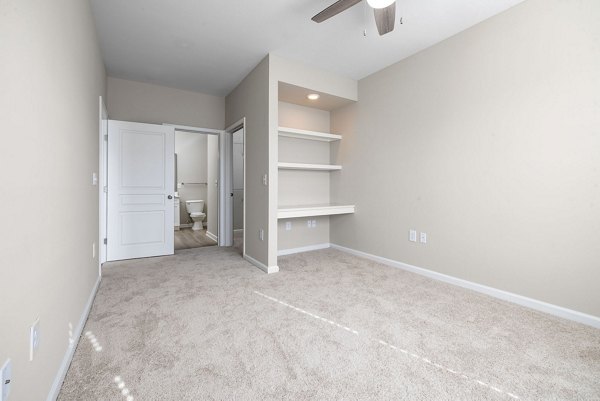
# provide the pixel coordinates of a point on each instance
(541, 306)
(261, 266)
(308, 248)
(64, 366)
(212, 236)
(188, 225)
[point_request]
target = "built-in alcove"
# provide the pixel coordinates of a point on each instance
(305, 168)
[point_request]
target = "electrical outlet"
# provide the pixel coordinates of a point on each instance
(314, 224)
(94, 250)
(94, 179)
(265, 180)
(288, 226)
(423, 238)
(261, 234)
(412, 235)
(34, 338)
(5, 377)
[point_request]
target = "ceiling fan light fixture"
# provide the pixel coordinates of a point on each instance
(380, 3)
(313, 96)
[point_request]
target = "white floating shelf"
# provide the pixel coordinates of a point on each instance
(308, 166)
(312, 135)
(290, 212)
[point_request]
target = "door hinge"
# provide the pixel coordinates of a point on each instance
(105, 189)
(104, 241)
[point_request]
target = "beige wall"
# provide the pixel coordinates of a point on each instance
(250, 99)
(488, 142)
(51, 75)
(154, 104)
(296, 187)
(192, 170)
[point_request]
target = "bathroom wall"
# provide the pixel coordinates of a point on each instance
(192, 168)
(51, 75)
(488, 142)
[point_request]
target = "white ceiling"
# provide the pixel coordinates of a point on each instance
(210, 45)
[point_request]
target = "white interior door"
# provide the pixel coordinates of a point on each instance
(140, 190)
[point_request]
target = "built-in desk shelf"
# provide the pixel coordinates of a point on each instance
(308, 166)
(304, 134)
(290, 212)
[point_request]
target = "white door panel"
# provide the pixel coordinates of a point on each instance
(238, 166)
(140, 190)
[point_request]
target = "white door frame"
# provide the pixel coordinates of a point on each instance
(102, 181)
(240, 124)
(225, 203)
(203, 131)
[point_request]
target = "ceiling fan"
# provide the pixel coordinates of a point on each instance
(385, 12)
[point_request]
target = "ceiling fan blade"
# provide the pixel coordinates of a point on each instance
(385, 18)
(334, 9)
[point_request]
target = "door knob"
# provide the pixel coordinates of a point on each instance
(169, 197)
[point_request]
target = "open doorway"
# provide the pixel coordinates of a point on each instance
(196, 164)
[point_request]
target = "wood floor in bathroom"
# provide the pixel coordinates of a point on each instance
(187, 238)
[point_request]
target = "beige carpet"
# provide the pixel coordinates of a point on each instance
(206, 325)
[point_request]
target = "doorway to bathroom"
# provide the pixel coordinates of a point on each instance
(196, 189)
(149, 192)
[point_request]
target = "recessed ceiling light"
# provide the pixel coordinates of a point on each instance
(313, 96)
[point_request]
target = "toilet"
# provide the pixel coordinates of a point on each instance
(195, 208)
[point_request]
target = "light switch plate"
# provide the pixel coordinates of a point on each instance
(412, 235)
(6, 377)
(423, 238)
(94, 179)
(288, 226)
